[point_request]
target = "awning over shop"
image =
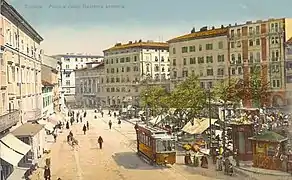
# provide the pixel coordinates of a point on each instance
(16, 144)
(53, 119)
(199, 125)
(9, 155)
(48, 126)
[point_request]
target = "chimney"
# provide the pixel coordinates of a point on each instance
(140, 40)
(130, 42)
(229, 25)
(213, 27)
(235, 24)
(222, 26)
(193, 30)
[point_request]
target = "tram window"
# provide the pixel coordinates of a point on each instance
(146, 140)
(165, 145)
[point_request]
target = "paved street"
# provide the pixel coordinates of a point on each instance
(117, 160)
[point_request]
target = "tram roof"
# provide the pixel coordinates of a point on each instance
(152, 129)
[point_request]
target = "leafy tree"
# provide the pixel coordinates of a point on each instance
(227, 90)
(188, 98)
(254, 88)
(155, 97)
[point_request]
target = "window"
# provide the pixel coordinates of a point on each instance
(232, 45)
(239, 70)
(117, 60)
(76, 60)
(251, 57)
(200, 60)
(232, 33)
(277, 40)
(210, 72)
(185, 73)
(257, 29)
(174, 74)
(250, 42)
(67, 66)
(173, 51)
(238, 44)
(220, 71)
(258, 42)
(162, 58)
(184, 49)
(209, 46)
(185, 61)
(232, 58)
(174, 62)
(67, 75)
(250, 30)
(128, 69)
(272, 40)
(200, 48)
(239, 58)
(220, 58)
(122, 60)
(209, 59)
(276, 83)
(238, 32)
(67, 82)
(156, 58)
(135, 58)
(128, 59)
(233, 71)
(192, 48)
(258, 57)
(192, 60)
(220, 45)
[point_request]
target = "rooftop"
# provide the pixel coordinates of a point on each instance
(289, 41)
(139, 44)
(269, 136)
(27, 129)
(72, 55)
(200, 35)
(99, 64)
(46, 83)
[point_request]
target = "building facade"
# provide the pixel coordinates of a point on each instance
(50, 81)
(69, 63)
(203, 53)
(288, 62)
(90, 91)
(261, 45)
(126, 65)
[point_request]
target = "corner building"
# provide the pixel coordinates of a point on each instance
(203, 53)
(127, 65)
(262, 44)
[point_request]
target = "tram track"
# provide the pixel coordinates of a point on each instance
(161, 169)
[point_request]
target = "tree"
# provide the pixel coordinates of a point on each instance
(227, 90)
(188, 98)
(255, 88)
(155, 97)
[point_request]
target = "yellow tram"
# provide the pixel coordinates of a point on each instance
(156, 145)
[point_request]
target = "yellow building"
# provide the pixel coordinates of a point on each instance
(20, 65)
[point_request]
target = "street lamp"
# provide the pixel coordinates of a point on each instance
(210, 116)
(146, 106)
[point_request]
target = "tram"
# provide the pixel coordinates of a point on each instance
(156, 145)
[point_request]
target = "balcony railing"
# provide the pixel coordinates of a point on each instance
(8, 120)
(32, 115)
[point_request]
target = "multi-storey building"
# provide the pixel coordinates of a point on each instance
(203, 53)
(50, 89)
(288, 74)
(69, 63)
(90, 92)
(20, 82)
(261, 44)
(128, 64)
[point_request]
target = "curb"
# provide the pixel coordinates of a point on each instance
(261, 173)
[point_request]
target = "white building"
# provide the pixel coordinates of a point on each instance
(128, 64)
(69, 63)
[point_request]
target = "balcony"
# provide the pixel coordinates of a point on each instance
(32, 115)
(8, 120)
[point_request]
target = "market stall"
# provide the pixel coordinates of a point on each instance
(267, 150)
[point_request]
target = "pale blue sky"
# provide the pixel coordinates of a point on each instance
(90, 30)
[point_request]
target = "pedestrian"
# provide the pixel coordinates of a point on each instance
(119, 122)
(81, 119)
(67, 125)
(84, 114)
(100, 141)
(84, 129)
(87, 125)
(101, 113)
(115, 114)
(55, 136)
(47, 173)
(110, 124)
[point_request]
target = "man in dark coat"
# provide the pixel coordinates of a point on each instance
(84, 129)
(87, 125)
(67, 125)
(47, 173)
(100, 141)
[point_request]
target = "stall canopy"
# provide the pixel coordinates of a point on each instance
(54, 119)
(157, 119)
(199, 125)
(48, 126)
(10, 156)
(16, 144)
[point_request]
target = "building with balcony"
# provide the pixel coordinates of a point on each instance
(203, 53)
(128, 64)
(20, 64)
(90, 91)
(260, 44)
(69, 63)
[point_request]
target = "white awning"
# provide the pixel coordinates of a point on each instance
(9, 155)
(198, 126)
(48, 126)
(53, 119)
(16, 144)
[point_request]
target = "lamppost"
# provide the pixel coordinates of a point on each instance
(146, 106)
(210, 116)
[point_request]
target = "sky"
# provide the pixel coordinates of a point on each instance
(90, 26)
